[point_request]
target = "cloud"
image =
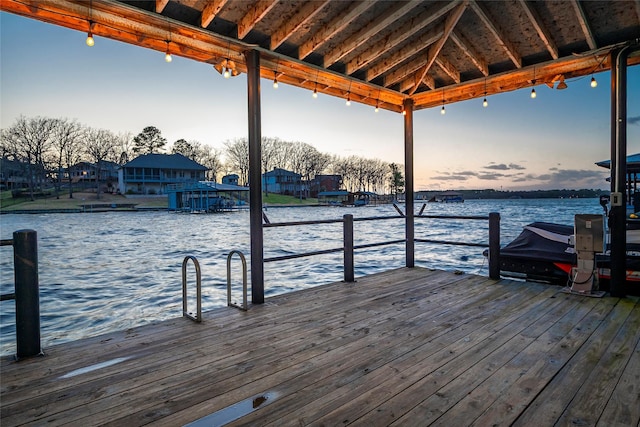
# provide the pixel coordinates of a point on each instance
(503, 167)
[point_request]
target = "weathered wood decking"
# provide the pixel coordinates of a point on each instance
(406, 347)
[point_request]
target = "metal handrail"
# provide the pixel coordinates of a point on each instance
(244, 305)
(348, 248)
(185, 312)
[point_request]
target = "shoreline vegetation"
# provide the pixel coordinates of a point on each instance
(88, 202)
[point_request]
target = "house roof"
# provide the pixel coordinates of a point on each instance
(633, 163)
(165, 161)
(375, 52)
(281, 172)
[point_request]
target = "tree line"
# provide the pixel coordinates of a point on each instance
(46, 147)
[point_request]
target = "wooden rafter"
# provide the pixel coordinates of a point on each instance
(160, 5)
(542, 31)
(210, 11)
(333, 28)
(448, 68)
(465, 47)
(408, 68)
(301, 17)
(382, 66)
(253, 16)
(417, 24)
(497, 33)
(397, 11)
(584, 24)
(434, 50)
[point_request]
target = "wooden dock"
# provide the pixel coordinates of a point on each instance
(405, 347)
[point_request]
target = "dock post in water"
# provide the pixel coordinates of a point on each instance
(25, 260)
(494, 245)
(348, 248)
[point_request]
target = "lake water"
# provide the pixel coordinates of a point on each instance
(101, 272)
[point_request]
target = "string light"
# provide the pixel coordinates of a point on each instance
(594, 83)
(315, 88)
(226, 73)
(484, 101)
(90, 41)
(443, 111)
(377, 102)
(348, 103)
(533, 82)
(167, 56)
(275, 80)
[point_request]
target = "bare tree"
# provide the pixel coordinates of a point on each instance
(30, 140)
(209, 157)
(237, 155)
(124, 150)
(68, 149)
(100, 145)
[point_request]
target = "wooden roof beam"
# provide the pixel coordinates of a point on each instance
(536, 21)
(464, 45)
(301, 17)
(448, 68)
(211, 9)
(338, 24)
(160, 5)
(397, 11)
(435, 49)
(416, 24)
(402, 55)
(253, 16)
(584, 24)
(497, 33)
(407, 84)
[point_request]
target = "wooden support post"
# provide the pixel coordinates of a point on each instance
(348, 248)
(255, 178)
(494, 245)
(25, 260)
(408, 183)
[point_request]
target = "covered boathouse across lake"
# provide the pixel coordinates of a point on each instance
(406, 347)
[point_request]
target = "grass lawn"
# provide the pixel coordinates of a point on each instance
(50, 202)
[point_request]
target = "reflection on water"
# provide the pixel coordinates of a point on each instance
(109, 271)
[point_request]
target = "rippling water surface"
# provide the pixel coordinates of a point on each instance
(101, 272)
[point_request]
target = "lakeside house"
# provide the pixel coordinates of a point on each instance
(282, 181)
(152, 173)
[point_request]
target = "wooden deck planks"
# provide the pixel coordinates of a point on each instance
(409, 346)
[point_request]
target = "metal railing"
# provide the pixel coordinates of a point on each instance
(349, 246)
(185, 312)
(26, 292)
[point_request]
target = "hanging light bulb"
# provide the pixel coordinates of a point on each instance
(443, 111)
(533, 83)
(275, 80)
(315, 92)
(167, 56)
(348, 103)
(533, 93)
(226, 73)
(376, 109)
(90, 41)
(484, 101)
(594, 83)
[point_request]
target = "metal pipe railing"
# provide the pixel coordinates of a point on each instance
(349, 246)
(26, 292)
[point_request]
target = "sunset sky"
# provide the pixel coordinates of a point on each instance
(515, 143)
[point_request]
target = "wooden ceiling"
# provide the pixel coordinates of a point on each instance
(377, 52)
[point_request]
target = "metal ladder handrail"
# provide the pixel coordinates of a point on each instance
(244, 305)
(185, 313)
